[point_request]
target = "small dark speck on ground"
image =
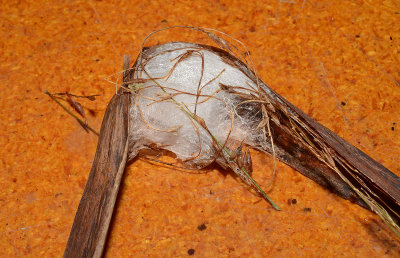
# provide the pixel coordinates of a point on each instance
(202, 227)
(191, 251)
(307, 209)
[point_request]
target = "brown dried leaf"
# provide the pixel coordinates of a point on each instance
(76, 106)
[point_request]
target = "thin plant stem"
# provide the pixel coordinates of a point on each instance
(72, 114)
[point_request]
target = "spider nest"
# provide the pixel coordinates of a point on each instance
(195, 101)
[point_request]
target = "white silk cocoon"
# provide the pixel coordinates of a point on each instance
(157, 112)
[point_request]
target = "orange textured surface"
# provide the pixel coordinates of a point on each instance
(338, 61)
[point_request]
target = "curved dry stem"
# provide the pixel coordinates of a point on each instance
(213, 79)
(182, 168)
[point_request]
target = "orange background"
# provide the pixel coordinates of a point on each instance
(336, 60)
